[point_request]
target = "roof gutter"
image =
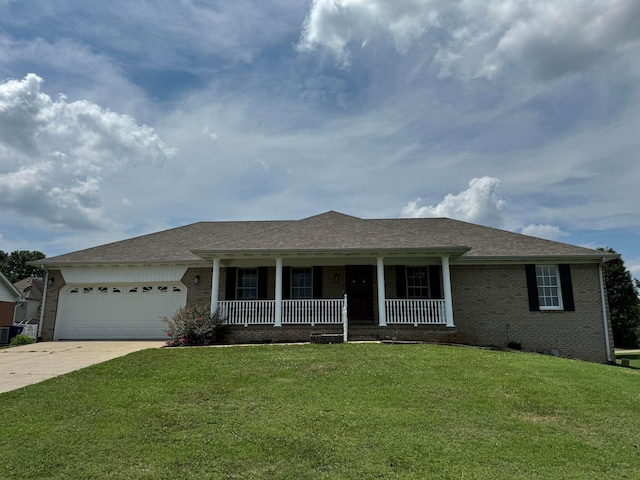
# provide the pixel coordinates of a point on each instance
(56, 265)
(537, 258)
(338, 252)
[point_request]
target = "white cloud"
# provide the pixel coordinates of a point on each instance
(481, 37)
(212, 135)
(634, 268)
(478, 204)
(74, 68)
(550, 232)
(336, 23)
(55, 155)
(263, 164)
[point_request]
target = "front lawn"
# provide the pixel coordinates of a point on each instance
(326, 411)
(634, 359)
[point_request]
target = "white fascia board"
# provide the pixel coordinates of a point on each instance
(103, 263)
(532, 259)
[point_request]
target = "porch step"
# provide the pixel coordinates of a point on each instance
(362, 332)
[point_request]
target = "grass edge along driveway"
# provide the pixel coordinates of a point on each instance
(326, 411)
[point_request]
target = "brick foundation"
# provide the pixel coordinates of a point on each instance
(303, 333)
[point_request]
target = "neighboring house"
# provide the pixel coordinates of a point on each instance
(10, 297)
(430, 279)
(31, 289)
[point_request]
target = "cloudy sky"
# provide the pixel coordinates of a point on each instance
(123, 118)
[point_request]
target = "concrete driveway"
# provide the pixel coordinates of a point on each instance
(28, 364)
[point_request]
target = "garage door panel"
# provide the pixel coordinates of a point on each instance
(117, 311)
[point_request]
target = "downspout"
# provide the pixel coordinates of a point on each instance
(604, 312)
(44, 304)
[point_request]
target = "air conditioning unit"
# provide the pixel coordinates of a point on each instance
(4, 335)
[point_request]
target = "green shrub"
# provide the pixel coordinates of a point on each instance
(194, 326)
(21, 339)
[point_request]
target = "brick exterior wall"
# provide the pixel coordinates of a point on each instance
(199, 294)
(51, 305)
(6, 313)
(331, 289)
(490, 307)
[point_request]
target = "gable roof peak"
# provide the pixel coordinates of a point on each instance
(330, 214)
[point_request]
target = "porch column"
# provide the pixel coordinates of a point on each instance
(278, 309)
(446, 280)
(215, 285)
(382, 314)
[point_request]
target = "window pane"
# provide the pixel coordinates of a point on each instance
(247, 284)
(548, 286)
(418, 282)
(301, 283)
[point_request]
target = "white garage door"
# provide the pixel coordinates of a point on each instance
(88, 312)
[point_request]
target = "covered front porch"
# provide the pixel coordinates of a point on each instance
(303, 290)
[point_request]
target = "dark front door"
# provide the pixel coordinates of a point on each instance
(359, 293)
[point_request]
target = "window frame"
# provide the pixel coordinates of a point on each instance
(410, 278)
(543, 272)
(240, 288)
(307, 271)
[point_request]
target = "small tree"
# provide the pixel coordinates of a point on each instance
(624, 303)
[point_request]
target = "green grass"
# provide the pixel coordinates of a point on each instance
(326, 411)
(634, 359)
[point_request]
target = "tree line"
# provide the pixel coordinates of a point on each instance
(14, 265)
(624, 304)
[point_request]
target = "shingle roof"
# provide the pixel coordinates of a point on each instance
(31, 287)
(487, 241)
(327, 232)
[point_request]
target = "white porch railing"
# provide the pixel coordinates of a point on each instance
(247, 312)
(328, 311)
(312, 311)
(416, 311)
